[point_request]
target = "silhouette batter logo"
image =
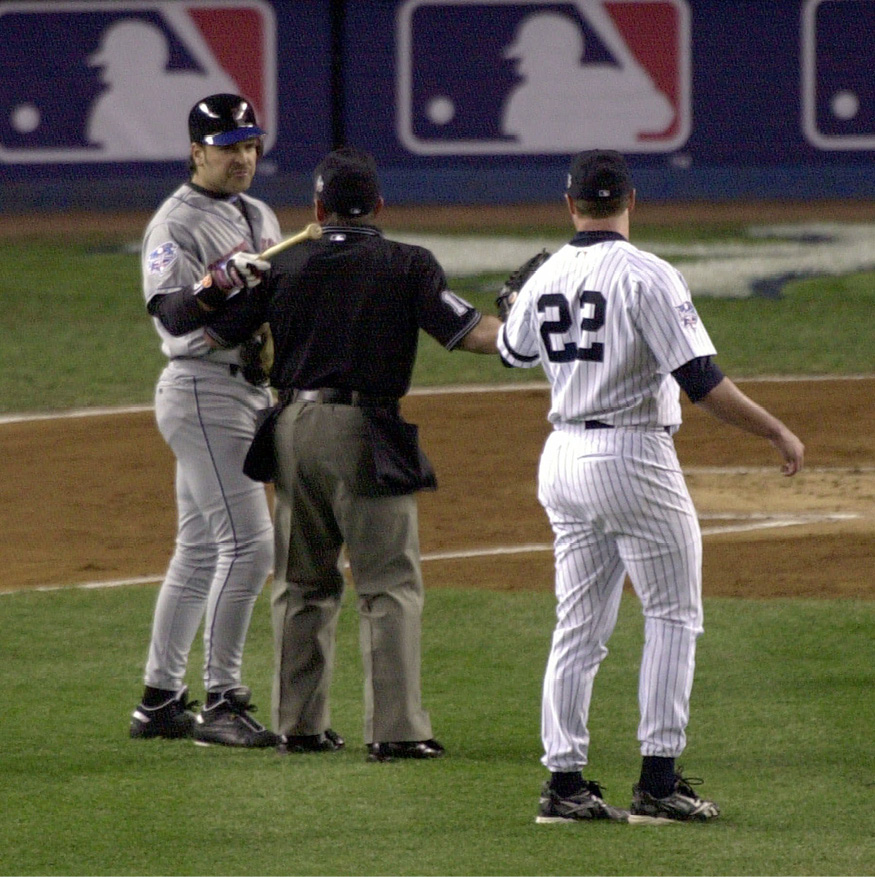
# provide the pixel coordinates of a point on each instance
(499, 77)
(131, 73)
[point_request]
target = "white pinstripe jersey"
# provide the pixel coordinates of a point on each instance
(189, 234)
(608, 323)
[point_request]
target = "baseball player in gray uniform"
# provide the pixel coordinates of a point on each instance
(198, 253)
(617, 334)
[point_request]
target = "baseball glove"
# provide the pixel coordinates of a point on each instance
(508, 293)
(256, 356)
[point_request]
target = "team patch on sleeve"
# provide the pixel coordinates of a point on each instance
(162, 257)
(459, 305)
(687, 314)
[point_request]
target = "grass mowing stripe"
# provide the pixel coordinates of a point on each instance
(781, 730)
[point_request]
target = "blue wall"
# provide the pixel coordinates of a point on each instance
(462, 101)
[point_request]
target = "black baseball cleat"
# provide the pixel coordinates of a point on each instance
(327, 741)
(405, 749)
(682, 805)
(172, 719)
(229, 723)
(585, 805)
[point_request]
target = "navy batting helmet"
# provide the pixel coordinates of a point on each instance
(222, 119)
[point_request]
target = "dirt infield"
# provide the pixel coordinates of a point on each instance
(89, 499)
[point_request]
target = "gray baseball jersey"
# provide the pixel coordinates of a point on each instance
(609, 323)
(206, 412)
(191, 233)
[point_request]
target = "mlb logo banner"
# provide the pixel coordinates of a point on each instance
(838, 89)
(479, 77)
(98, 82)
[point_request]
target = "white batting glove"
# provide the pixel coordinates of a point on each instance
(241, 269)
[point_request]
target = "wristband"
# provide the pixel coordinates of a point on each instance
(209, 294)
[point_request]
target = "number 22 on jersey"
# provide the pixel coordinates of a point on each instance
(554, 332)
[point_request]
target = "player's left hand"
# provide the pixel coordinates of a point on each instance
(791, 449)
(240, 270)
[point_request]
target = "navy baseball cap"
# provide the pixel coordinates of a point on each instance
(347, 182)
(598, 175)
(222, 119)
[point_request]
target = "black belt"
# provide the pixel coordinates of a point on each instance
(333, 396)
(598, 424)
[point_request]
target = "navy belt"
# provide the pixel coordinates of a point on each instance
(598, 424)
(334, 396)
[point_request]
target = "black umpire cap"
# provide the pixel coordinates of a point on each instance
(222, 119)
(598, 175)
(347, 183)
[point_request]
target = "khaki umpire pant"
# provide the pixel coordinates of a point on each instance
(319, 447)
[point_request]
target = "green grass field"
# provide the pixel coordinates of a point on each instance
(782, 715)
(781, 731)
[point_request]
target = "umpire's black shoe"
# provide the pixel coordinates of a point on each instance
(229, 723)
(405, 749)
(172, 719)
(584, 805)
(327, 741)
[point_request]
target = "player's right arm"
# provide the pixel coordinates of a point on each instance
(178, 292)
(518, 339)
(729, 404)
(171, 275)
(181, 311)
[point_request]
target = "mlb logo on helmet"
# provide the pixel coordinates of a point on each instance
(574, 75)
(132, 72)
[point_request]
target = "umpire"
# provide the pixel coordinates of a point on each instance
(345, 312)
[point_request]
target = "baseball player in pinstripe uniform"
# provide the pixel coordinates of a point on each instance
(617, 334)
(198, 252)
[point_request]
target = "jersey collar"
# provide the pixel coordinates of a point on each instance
(216, 196)
(352, 229)
(588, 238)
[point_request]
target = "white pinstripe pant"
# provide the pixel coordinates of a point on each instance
(618, 503)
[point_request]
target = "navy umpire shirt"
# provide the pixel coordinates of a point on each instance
(345, 312)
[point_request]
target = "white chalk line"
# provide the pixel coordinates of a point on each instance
(107, 411)
(736, 523)
(27, 417)
(851, 469)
